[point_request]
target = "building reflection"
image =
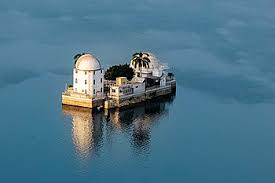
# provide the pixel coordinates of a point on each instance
(88, 128)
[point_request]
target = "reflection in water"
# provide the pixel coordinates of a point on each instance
(138, 122)
(88, 128)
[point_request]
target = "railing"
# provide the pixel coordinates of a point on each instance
(71, 93)
(171, 81)
(152, 87)
(108, 83)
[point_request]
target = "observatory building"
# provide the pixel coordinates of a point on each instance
(88, 76)
(91, 90)
(88, 83)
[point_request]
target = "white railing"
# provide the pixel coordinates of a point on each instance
(71, 93)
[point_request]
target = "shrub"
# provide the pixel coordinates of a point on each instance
(122, 70)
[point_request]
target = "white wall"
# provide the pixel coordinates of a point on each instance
(157, 72)
(121, 90)
(139, 87)
(89, 87)
(114, 90)
(98, 76)
(79, 78)
(163, 79)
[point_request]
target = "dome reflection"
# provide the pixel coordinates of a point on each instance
(86, 129)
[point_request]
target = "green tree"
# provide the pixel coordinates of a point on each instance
(76, 57)
(140, 60)
(122, 70)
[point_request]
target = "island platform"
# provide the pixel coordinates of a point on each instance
(91, 90)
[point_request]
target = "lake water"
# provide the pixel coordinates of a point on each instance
(219, 127)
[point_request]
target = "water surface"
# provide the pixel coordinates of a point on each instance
(218, 128)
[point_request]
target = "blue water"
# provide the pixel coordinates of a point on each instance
(219, 127)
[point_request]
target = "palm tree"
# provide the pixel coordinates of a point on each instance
(140, 60)
(76, 57)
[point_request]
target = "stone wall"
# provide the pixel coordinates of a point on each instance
(81, 102)
(137, 98)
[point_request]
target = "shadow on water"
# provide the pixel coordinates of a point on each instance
(92, 129)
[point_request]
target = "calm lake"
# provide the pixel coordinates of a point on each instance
(218, 128)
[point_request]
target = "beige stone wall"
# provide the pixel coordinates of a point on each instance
(81, 102)
(133, 99)
(119, 101)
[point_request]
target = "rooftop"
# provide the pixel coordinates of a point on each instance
(87, 62)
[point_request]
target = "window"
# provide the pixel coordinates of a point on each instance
(94, 82)
(85, 81)
(94, 91)
(76, 71)
(94, 72)
(101, 71)
(136, 86)
(113, 90)
(75, 80)
(85, 72)
(101, 80)
(100, 89)
(85, 91)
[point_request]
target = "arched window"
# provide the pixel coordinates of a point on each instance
(94, 81)
(85, 81)
(101, 80)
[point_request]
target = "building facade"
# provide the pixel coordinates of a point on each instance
(88, 76)
(150, 81)
(124, 87)
(149, 67)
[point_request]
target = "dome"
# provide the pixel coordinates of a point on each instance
(87, 62)
(154, 62)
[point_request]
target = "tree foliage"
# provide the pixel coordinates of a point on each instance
(122, 70)
(76, 57)
(140, 59)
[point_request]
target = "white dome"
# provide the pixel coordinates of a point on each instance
(154, 62)
(87, 62)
